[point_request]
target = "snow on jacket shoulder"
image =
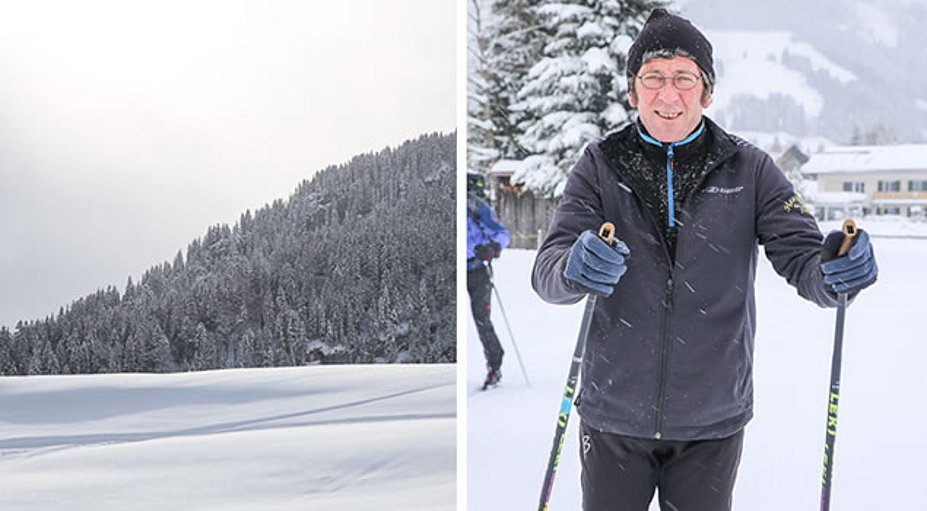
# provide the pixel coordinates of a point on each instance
(669, 353)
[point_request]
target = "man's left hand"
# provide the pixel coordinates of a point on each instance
(853, 271)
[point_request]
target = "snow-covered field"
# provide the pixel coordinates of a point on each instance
(323, 437)
(881, 441)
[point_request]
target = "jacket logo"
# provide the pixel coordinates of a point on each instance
(723, 191)
(796, 203)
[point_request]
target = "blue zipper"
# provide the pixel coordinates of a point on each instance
(670, 200)
(665, 345)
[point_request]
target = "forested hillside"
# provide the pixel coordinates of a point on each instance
(357, 266)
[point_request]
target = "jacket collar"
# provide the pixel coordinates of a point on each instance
(621, 146)
(642, 131)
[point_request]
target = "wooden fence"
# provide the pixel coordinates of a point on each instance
(525, 216)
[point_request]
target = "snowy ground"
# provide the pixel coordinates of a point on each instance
(325, 437)
(881, 442)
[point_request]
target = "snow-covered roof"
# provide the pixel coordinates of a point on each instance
(900, 201)
(822, 198)
(858, 159)
(505, 167)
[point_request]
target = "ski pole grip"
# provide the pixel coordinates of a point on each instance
(849, 232)
(607, 233)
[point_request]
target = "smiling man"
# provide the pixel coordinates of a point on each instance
(667, 374)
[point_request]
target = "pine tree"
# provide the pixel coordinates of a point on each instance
(505, 41)
(204, 349)
(156, 357)
(7, 362)
(293, 338)
(578, 90)
(103, 356)
(44, 360)
(246, 350)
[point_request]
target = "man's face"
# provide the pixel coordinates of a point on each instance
(669, 114)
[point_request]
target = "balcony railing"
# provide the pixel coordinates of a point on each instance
(877, 196)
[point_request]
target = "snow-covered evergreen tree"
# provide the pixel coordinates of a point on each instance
(505, 41)
(157, 354)
(44, 360)
(577, 91)
(246, 350)
(7, 361)
(205, 355)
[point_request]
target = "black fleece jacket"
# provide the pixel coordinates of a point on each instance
(669, 353)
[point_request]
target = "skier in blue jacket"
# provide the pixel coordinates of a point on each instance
(667, 384)
(486, 237)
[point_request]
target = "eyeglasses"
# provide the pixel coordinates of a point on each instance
(682, 81)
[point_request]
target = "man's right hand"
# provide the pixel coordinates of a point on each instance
(595, 265)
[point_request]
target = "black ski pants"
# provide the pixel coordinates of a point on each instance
(620, 473)
(479, 285)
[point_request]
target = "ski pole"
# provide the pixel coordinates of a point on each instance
(849, 232)
(607, 233)
(508, 327)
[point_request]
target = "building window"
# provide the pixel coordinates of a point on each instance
(889, 186)
(917, 186)
(854, 186)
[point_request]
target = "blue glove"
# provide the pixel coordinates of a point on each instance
(594, 265)
(853, 271)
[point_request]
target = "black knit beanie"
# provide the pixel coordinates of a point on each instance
(665, 31)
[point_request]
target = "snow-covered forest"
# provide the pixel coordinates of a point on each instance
(357, 266)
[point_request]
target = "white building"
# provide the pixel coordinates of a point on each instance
(881, 180)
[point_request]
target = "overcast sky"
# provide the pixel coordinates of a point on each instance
(128, 128)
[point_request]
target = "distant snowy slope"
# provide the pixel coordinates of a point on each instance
(830, 68)
(323, 437)
(876, 25)
(756, 64)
